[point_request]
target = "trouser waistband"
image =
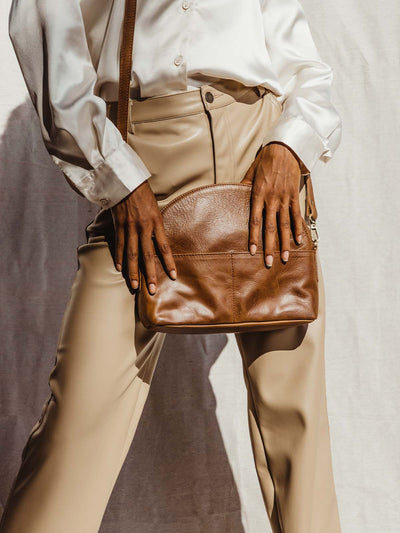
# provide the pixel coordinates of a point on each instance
(209, 96)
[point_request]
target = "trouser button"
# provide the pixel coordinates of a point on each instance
(209, 97)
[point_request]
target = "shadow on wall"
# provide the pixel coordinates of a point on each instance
(177, 476)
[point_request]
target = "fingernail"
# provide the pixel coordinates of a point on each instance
(253, 249)
(135, 283)
(173, 274)
(285, 256)
(299, 238)
(152, 288)
(270, 258)
(119, 267)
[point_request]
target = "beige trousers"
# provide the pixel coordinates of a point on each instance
(106, 358)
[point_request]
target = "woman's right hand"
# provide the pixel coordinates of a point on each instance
(137, 219)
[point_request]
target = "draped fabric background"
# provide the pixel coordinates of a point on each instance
(190, 467)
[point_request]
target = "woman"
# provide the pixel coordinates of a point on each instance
(221, 91)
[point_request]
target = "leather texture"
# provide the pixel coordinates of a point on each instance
(220, 286)
(125, 70)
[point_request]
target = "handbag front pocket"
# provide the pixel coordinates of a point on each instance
(229, 291)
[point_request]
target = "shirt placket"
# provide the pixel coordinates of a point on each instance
(185, 8)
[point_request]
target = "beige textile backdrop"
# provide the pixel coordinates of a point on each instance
(190, 467)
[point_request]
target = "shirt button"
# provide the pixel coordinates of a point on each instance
(104, 201)
(185, 5)
(209, 97)
(178, 60)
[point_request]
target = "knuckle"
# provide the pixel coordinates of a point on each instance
(270, 227)
(294, 199)
(255, 220)
(144, 221)
(148, 254)
(257, 189)
(273, 203)
(165, 247)
(285, 203)
(145, 234)
(130, 221)
(281, 192)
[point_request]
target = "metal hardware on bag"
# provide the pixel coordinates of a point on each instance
(314, 232)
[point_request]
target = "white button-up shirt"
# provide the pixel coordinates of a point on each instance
(68, 51)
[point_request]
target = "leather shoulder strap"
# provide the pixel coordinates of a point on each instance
(125, 67)
(310, 200)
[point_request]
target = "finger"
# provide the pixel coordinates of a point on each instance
(119, 246)
(284, 230)
(256, 211)
(132, 254)
(270, 234)
(297, 220)
(165, 250)
(149, 260)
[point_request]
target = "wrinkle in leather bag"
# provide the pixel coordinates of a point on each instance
(220, 286)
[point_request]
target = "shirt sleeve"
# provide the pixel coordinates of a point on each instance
(309, 124)
(50, 43)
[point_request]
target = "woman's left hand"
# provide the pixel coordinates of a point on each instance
(275, 178)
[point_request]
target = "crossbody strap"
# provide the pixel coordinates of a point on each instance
(125, 67)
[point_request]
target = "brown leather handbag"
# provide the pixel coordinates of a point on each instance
(220, 286)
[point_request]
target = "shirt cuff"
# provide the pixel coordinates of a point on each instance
(301, 138)
(116, 177)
